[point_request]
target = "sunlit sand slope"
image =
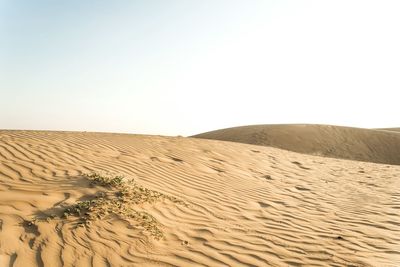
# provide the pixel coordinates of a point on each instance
(239, 204)
(379, 146)
(391, 129)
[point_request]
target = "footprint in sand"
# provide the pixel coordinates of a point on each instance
(267, 177)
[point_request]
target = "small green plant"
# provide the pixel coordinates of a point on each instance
(121, 199)
(105, 180)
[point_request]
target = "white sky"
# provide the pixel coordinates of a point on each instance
(185, 67)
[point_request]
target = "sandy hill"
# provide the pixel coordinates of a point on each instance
(391, 129)
(377, 146)
(96, 199)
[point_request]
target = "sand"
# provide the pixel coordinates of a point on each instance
(216, 204)
(370, 145)
(391, 129)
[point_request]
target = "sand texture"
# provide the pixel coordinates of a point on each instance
(391, 129)
(192, 202)
(379, 146)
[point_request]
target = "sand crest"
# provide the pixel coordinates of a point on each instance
(370, 145)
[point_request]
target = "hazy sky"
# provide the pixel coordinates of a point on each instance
(184, 67)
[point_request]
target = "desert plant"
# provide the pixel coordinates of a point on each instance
(121, 198)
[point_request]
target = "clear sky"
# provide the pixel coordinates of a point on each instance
(185, 67)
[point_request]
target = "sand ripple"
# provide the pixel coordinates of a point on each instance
(247, 205)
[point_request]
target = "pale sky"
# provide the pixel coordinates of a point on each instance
(185, 67)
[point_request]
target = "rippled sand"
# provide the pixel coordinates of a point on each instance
(244, 205)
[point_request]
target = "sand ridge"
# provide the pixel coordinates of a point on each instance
(370, 145)
(390, 129)
(247, 205)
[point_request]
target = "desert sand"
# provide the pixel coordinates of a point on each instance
(195, 202)
(371, 145)
(391, 129)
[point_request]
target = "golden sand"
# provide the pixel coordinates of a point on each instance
(225, 204)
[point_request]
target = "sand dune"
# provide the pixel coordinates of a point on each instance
(390, 129)
(379, 146)
(238, 204)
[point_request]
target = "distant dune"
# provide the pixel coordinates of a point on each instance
(390, 129)
(191, 202)
(379, 146)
